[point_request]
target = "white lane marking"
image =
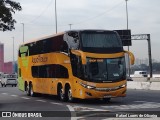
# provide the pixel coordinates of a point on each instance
(41, 100)
(14, 95)
(73, 113)
(140, 101)
(25, 98)
(56, 103)
(4, 93)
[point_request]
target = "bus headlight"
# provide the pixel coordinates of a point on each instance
(122, 86)
(86, 86)
(90, 87)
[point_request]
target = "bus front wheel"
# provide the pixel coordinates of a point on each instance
(69, 95)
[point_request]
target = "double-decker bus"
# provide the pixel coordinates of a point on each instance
(84, 64)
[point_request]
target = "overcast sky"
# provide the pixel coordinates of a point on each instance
(38, 17)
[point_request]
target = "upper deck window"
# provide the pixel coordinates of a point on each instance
(101, 42)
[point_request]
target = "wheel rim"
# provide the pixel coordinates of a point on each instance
(69, 95)
(31, 90)
(27, 90)
(61, 94)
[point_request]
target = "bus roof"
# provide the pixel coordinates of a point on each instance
(45, 37)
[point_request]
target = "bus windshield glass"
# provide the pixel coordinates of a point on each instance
(11, 76)
(105, 70)
(100, 40)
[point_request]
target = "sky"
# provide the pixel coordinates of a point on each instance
(38, 17)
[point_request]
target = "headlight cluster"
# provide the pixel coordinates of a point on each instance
(87, 86)
(122, 86)
(102, 89)
(111, 89)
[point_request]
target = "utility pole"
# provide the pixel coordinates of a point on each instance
(150, 55)
(127, 13)
(23, 31)
(127, 29)
(56, 15)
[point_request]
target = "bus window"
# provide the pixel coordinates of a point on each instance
(49, 71)
(72, 39)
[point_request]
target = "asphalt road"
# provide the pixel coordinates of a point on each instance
(137, 101)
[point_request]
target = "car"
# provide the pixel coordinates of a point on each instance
(9, 79)
(129, 78)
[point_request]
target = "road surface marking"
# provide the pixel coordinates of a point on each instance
(5, 93)
(73, 113)
(41, 100)
(14, 95)
(25, 97)
(56, 103)
(140, 101)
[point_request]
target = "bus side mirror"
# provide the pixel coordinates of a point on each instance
(80, 53)
(131, 56)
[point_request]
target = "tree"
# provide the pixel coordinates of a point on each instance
(7, 8)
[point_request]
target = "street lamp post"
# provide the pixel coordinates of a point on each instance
(13, 54)
(56, 15)
(127, 29)
(127, 13)
(70, 25)
(23, 31)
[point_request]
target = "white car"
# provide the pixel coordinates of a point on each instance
(9, 79)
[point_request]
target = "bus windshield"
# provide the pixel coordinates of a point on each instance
(105, 70)
(101, 41)
(11, 76)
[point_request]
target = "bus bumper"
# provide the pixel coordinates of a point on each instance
(94, 94)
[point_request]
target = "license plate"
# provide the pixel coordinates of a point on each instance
(107, 96)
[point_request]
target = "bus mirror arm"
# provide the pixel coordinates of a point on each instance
(131, 56)
(80, 53)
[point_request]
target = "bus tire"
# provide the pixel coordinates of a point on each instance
(27, 89)
(69, 95)
(61, 94)
(33, 94)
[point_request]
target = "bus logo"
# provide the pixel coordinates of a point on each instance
(39, 59)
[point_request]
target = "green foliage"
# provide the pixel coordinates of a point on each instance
(7, 8)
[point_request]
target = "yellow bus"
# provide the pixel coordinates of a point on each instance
(84, 64)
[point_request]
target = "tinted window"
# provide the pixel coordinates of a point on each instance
(45, 46)
(100, 42)
(49, 71)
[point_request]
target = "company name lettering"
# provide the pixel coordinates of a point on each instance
(39, 59)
